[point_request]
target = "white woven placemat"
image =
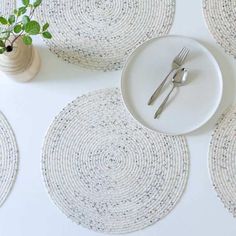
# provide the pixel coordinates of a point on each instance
(220, 16)
(222, 160)
(106, 172)
(8, 158)
(6, 7)
(100, 34)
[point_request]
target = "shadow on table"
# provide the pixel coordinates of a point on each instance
(229, 85)
(57, 70)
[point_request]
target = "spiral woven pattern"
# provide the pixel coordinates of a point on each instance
(100, 34)
(222, 160)
(220, 16)
(8, 158)
(6, 7)
(106, 172)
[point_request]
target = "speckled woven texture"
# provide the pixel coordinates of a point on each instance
(100, 34)
(108, 173)
(8, 158)
(222, 159)
(6, 7)
(220, 16)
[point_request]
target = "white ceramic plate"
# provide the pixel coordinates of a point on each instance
(190, 106)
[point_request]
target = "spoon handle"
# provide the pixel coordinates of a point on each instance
(160, 109)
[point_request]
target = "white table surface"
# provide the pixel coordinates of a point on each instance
(31, 107)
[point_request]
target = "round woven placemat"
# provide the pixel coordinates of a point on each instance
(7, 7)
(220, 16)
(100, 34)
(222, 160)
(106, 172)
(8, 158)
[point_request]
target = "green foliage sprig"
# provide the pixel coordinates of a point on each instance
(21, 24)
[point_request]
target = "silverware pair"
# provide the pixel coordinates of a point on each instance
(176, 64)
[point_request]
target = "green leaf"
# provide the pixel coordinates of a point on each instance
(32, 27)
(17, 29)
(25, 2)
(15, 11)
(21, 11)
(2, 50)
(2, 44)
(47, 35)
(3, 20)
(25, 20)
(27, 40)
(37, 3)
(45, 27)
(11, 19)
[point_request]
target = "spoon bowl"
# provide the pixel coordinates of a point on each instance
(180, 77)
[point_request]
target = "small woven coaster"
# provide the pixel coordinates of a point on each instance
(100, 34)
(222, 160)
(108, 173)
(8, 158)
(220, 16)
(7, 7)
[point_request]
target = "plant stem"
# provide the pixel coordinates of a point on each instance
(16, 37)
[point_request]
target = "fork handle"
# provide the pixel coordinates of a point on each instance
(158, 90)
(160, 109)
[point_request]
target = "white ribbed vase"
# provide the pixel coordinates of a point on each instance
(22, 64)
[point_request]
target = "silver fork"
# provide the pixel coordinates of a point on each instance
(176, 64)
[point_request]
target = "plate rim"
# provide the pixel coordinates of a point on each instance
(220, 78)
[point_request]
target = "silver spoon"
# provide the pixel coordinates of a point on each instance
(178, 80)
